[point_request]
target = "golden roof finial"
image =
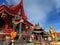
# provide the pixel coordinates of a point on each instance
(51, 27)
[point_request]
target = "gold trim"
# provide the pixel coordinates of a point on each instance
(7, 12)
(1, 11)
(38, 31)
(3, 15)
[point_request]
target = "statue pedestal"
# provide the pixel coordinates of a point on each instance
(37, 43)
(55, 43)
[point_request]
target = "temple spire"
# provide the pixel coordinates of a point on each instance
(3, 3)
(22, 10)
(21, 3)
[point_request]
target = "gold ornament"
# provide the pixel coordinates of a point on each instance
(3, 15)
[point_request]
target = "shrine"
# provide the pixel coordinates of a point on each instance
(39, 31)
(13, 17)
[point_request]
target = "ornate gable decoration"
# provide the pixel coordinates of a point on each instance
(3, 15)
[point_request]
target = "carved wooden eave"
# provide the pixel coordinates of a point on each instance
(4, 10)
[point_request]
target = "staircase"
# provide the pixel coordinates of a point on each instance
(19, 41)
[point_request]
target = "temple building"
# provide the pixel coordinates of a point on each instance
(13, 17)
(58, 36)
(39, 31)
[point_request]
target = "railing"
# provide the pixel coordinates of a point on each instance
(2, 35)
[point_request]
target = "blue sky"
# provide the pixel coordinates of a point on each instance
(44, 12)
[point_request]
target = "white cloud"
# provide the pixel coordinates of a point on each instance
(57, 2)
(57, 5)
(36, 11)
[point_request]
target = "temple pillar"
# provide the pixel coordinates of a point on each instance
(20, 27)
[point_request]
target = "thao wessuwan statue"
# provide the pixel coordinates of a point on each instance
(53, 34)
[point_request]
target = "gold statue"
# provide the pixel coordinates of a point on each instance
(53, 34)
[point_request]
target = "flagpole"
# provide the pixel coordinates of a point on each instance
(20, 27)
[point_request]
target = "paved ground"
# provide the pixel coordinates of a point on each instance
(0, 42)
(19, 43)
(23, 43)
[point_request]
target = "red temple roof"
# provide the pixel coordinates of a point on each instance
(58, 34)
(13, 10)
(4, 8)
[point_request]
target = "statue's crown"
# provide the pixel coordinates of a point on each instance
(51, 27)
